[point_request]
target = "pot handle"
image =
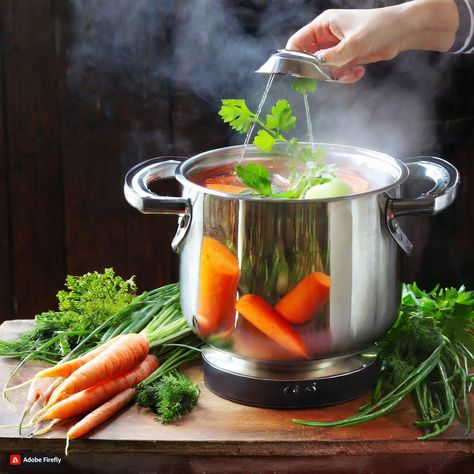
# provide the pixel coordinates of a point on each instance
(431, 187)
(139, 195)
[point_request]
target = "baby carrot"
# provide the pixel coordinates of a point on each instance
(67, 368)
(258, 312)
(100, 414)
(309, 295)
(218, 280)
(92, 397)
(120, 357)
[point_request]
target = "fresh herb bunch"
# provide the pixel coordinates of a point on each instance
(280, 120)
(98, 307)
(171, 396)
(94, 296)
(427, 353)
(89, 300)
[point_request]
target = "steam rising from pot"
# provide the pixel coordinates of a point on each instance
(139, 54)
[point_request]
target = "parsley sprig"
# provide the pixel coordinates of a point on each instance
(280, 120)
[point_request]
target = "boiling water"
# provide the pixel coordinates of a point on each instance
(308, 121)
(257, 115)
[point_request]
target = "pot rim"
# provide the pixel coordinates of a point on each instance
(404, 173)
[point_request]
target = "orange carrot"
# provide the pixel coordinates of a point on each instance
(258, 312)
(219, 277)
(120, 357)
(251, 342)
(358, 184)
(227, 188)
(92, 397)
(309, 295)
(67, 368)
(100, 414)
(231, 179)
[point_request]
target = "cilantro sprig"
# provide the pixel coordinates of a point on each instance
(280, 120)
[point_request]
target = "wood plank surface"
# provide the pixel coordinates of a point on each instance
(223, 429)
(34, 161)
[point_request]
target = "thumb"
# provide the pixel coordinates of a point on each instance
(338, 55)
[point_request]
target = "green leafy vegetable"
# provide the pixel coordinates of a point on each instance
(281, 119)
(255, 176)
(97, 307)
(427, 353)
(264, 141)
(236, 113)
(303, 85)
(93, 297)
(170, 397)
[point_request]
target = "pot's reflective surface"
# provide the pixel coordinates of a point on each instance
(281, 249)
(282, 280)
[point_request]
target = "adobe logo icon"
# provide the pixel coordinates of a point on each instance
(15, 459)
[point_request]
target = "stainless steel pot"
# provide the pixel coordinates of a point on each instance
(354, 239)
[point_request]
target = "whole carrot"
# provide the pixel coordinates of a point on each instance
(258, 312)
(100, 414)
(309, 295)
(67, 368)
(92, 397)
(120, 357)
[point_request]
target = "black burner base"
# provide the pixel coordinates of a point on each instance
(289, 392)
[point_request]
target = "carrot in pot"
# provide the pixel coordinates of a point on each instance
(100, 414)
(251, 342)
(302, 302)
(120, 357)
(258, 312)
(358, 184)
(219, 276)
(231, 179)
(92, 397)
(227, 188)
(67, 368)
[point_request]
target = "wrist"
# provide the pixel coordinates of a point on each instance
(429, 25)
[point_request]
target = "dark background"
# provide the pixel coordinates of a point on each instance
(89, 88)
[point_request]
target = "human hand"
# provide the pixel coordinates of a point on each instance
(351, 38)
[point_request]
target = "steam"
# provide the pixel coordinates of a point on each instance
(134, 55)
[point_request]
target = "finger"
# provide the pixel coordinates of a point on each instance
(339, 55)
(349, 74)
(312, 37)
(303, 40)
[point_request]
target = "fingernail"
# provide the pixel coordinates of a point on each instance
(319, 57)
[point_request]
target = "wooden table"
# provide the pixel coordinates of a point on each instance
(224, 437)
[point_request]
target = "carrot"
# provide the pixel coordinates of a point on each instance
(100, 414)
(231, 179)
(358, 184)
(219, 277)
(309, 295)
(251, 342)
(92, 397)
(67, 368)
(258, 312)
(227, 188)
(120, 357)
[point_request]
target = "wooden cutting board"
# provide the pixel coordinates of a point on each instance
(222, 436)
